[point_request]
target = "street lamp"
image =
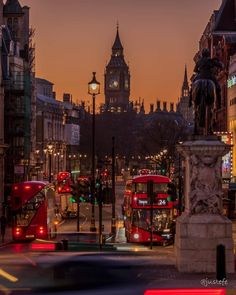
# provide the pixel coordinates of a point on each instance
(50, 150)
(58, 162)
(93, 89)
(37, 167)
(62, 163)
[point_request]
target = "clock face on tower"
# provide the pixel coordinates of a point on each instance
(113, 83)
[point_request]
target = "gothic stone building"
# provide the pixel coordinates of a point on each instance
(117, 80)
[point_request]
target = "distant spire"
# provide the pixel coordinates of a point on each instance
(142, 110)
(185, 76)
(185, 87)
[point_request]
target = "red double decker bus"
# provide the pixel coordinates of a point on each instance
(33, 208)
(137, 211)
(64, 182)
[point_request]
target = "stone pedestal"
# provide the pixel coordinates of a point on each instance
(202, 226)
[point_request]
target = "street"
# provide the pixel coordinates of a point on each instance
(82, 272)
(120, 268)
(70, 225)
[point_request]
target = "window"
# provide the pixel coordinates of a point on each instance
(161, 219)
(9, 23)
(158, 188)
(29, 209)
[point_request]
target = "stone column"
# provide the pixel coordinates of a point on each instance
(202, 225)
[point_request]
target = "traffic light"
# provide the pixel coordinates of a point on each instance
(97, 184)
(98, 191)
(72, 199)
(171, 191)
(163, 171)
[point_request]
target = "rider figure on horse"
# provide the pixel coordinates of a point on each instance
(205, 69)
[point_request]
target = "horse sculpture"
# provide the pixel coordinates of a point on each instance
(205, 93)
(205, 103)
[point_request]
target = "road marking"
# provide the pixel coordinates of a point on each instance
(8, 276)
(31, 261)
(5, 290)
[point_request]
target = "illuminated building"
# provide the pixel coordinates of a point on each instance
(231, 106)
(57, 125)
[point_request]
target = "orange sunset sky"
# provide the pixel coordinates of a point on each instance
(74, 38)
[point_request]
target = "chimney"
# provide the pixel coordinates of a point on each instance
(151, 108)
(165, 106)
(158, 105)
(67, 97)
(171, 107)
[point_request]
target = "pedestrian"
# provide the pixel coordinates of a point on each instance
(3, 222)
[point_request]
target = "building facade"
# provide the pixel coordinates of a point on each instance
(58, 132)
(19, 93)
(117, 80)
(231, 107)
(3, 146)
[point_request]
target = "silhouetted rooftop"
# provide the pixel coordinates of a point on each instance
(12, 7)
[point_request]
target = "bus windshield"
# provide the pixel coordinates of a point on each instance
(161, 219)
(158, 188)
(25, 214)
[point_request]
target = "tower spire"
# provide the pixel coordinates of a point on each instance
(117, 44)
(185, 87)
(185, 76)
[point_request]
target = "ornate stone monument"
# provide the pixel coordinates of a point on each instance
(202, 226)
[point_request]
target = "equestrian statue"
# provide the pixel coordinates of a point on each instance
(205, 93)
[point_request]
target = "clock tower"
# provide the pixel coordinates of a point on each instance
(117, 79)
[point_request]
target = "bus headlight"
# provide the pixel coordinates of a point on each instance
(136, 236)
(167, 236)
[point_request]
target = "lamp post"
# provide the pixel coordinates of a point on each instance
(93, 89)
(113, 218)
(50, 150)
(62, 162)
(70, 163)
(37, 163)
(58, 162)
